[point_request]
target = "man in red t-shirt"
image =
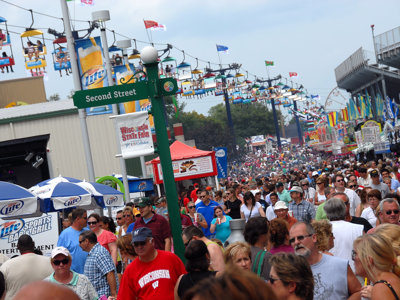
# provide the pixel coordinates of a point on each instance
(193, 194)
(153, 274)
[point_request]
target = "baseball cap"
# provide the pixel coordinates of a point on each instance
(60, 250)
(280, 205)
(305, 181)
(279, 184)
(315, 173)
(374, 173)
(144, 201)
(254, 192)
(141, 234)
(296, 189)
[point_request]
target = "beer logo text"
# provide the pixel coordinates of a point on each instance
(11, 207)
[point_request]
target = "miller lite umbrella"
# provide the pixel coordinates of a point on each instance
(104, 193)
(63, 195)
(17, 202)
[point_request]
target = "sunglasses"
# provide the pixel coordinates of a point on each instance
(352, 186)
(272, 280)
(299, 238)
(353, 254)
(227, 193)
(340, 180)
(395, 211)
(137, 244)
(319, 182)
(187, 243)
(92, 223)
(202, 196)
(126, 216)
(120, 218)
(190, 207)
(81, 241)
(63, 261)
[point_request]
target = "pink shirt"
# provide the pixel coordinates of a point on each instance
(105, 238)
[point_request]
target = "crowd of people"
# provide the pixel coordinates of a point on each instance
(315, 228)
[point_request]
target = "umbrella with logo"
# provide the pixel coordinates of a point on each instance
(63, 195)
(17, 202)
(55, 180)
(103, 193)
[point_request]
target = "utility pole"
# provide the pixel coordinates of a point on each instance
(278, 136)
(222, 71)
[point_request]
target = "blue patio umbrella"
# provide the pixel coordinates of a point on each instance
(103, 193)
(17, 202)
(63, 195)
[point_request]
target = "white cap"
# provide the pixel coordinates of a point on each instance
(315, 173)
(255, 192)
(280, 205)
(60, 250)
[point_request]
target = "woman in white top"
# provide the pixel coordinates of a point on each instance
(319, 196)
(250, 208)
(369, 213)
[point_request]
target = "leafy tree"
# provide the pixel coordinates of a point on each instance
(54, 97)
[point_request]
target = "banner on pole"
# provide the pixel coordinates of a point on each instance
(222, 161)
(134, 134)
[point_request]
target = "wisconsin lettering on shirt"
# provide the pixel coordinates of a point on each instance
(154, 275)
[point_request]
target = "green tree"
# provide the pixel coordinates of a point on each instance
(54, 97)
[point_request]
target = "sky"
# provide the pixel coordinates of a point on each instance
(308, 37)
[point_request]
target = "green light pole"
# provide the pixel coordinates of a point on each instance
(149, 57)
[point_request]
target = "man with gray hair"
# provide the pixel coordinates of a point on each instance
(389, 212)
(333, 277)
(345, 233)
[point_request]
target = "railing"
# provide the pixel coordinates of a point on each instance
(387, 40)
(359, 58)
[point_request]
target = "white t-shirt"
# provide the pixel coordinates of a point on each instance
(345, 234)
(254, 212)
(270, 213)
(369, 215)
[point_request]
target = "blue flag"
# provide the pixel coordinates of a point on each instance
(221, 48)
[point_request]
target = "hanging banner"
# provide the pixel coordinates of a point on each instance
(222, 161)
(92, 69)
(134, 134)
(43, 230)
(122, 74)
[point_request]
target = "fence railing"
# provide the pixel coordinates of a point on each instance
(359, 58)
(387, 40)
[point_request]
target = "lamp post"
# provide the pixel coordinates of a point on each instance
(278, 136)
(101, 17)
(222, 71)
(149, 57)
(77, 87)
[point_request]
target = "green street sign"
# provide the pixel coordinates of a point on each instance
(122, 93)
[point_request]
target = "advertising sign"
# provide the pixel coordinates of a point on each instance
(257, 140)
(190, 167)
(134, 134)
(43, 230)
(222, 161)
(371, 132)
(92, 69)
(122, 74)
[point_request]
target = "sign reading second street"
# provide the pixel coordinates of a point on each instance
(121, 93)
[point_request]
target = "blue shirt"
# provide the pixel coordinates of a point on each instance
(304, 211)
(69, 238)
(130, 227)
(98, 264)
(208, 213)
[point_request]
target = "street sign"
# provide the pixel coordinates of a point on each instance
(122, 93)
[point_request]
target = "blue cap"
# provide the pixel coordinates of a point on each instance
(141, 234)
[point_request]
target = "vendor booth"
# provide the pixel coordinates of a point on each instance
(187, 163)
